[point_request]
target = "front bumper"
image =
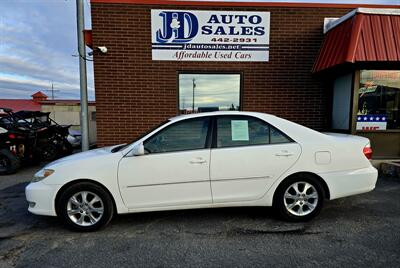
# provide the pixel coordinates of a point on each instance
(351, 182)
(41, 198)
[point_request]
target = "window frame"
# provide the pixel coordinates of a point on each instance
(208, 141)
(355, 99)
(212, 133)
(197, 72)
(215, 132)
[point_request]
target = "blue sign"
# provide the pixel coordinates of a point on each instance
(371, 118)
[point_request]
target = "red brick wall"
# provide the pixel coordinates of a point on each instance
(134, 93)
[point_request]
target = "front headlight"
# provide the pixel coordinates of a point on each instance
(41, 174)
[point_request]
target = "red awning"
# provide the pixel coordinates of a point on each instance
(361, 38)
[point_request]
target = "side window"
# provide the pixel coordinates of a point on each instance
(184, 135)
(241, 131)
(278, 137)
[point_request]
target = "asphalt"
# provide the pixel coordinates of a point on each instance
(352, 232)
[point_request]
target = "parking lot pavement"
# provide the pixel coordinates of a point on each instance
(356, 231)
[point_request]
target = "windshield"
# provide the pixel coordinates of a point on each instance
(123, 146)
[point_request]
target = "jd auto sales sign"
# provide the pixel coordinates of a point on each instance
(184, 35)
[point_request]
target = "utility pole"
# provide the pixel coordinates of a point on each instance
(194, 86)
(52, 91)
(83, 79)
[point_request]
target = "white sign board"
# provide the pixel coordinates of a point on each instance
(371, 122)
(187, 35)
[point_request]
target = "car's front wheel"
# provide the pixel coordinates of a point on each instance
(85, 206)
(299, 198)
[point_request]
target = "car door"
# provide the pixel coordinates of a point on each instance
(248, 155)
(174, 170)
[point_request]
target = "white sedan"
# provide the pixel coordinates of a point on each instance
(206, 160)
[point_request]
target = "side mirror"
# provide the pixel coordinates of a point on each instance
(138, 150)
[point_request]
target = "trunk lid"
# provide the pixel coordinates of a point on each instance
(340, 136)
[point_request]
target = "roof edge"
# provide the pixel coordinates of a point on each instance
(242, 4)
(364, 10)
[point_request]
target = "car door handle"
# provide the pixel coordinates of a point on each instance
(198, 161)
(284, 154)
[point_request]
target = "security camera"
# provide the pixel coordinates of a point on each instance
(102, 49)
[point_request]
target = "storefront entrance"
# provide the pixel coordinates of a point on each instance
(361, 56)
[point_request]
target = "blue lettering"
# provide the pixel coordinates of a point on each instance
(207, 30)
(259, 30)
(255, 19)
(213, 19)
(174, 30)
(240, 18)
(225, 20)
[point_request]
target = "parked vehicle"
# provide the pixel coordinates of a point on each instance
(216, 159)
(51, 134)
(27, 137)
(74, 138)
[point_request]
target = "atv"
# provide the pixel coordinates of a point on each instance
(30, 137)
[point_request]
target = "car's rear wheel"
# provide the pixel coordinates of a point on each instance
(85, 206)
(299, 198)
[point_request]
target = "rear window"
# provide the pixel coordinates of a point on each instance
(246, 131)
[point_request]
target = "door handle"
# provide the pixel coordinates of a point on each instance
(198, 161)
(283, 153)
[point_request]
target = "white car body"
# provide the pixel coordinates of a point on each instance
(237, 176)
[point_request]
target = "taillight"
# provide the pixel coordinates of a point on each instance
(11, 136)
(367, 151)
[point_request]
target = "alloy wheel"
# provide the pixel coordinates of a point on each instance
(85, 208)
(301, 198)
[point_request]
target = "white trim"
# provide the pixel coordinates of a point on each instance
(379, 11)
(332, 25)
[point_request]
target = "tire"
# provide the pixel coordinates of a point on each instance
(67, 148)
(86, 224)
(299, 206)
(9, 163)
(47, 152)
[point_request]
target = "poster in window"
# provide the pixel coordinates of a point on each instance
(371, 122)
(240, 130)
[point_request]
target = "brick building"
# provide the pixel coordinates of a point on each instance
(286, 68)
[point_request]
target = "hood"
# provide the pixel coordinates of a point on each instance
(83, 155)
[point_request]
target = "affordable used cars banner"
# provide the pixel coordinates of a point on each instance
(185, 35)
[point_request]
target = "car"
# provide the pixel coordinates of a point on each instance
(206, 160)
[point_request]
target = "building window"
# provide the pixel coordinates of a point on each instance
(93, 116)
(378, 100)
(209, 92)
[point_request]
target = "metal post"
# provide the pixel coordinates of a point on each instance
(194, 86)
(83, 78)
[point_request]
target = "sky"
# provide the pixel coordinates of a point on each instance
(38, 41)
(222, 92)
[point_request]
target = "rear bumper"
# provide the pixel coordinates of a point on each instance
(351, 182)
(41, 198)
